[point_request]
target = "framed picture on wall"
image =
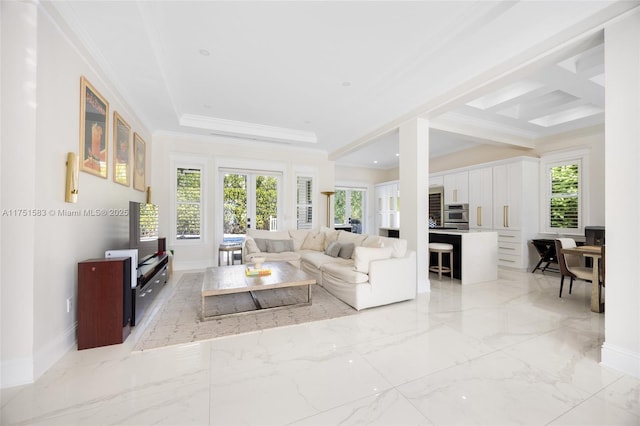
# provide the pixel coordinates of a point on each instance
(121, 150)
(94, 118)
(139, 161)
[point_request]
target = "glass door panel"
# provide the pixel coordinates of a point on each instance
(250, 200)
(235, 206)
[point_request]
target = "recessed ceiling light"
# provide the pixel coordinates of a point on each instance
(397, 154)
(207, 106)
(375, 161)
(346, 83)
(204, 52)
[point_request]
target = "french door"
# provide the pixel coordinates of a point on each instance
(251, 200)
(349, 208)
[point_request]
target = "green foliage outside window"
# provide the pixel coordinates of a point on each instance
(340, 203)
(188, 195)
(266, 200)
(235, 202)
(564, 203)
(347, 205)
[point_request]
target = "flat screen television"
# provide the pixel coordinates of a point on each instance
(143, 230)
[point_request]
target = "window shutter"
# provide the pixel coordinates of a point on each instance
(188, 203)
(305, 202)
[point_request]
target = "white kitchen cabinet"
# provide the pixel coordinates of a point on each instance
(515, 195)
(502, 196)
(507, 196)
(481, 198)
(456, 188)
(436, 181)
(515, 209)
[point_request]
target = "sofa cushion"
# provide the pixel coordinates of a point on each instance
(298, 236)
(278, 246)
(318, 259)
(363, 255)
(373, 241)
(285, 256)
(344, 272)
(330, 235)
(398, 246)
(250, 246)
(349, 237)
(261, 243)
(314, 241)
(346, 250)
(269, 235)
(332, 249)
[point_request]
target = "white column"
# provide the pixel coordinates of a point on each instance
(18, 135)
(621, 349)
(414, 194)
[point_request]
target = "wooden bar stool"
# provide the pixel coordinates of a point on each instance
(440, 268)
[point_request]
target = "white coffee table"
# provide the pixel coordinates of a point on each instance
(233, 279)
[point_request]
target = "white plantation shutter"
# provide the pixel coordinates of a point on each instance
(188, 203)
(304, 202)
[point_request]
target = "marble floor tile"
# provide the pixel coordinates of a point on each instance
(386, 408)
(617, 404)
(495, 389)
(505, 352)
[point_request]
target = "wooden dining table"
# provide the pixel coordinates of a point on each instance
(595, 253)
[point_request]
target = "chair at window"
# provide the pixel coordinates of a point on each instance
(570, 264)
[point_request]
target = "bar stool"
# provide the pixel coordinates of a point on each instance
(440, 268)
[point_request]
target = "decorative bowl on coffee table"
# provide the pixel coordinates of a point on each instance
(258, 261)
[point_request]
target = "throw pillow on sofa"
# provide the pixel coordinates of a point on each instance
(314, 241)
(279, 246)
(330, 235)
(349, 237)
(363, 255)
(333, 249)
(261, 243)
(250, 246)
(346, 250)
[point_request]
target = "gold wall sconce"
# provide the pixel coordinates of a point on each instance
(328, 194)
(148, 195)
(71, 187)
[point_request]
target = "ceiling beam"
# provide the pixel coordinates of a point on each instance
(578, 38)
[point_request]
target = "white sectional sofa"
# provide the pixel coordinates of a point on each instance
(361, 270)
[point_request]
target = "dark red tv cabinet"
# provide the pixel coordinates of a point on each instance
(104, 301)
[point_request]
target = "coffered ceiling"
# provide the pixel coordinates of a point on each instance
(339, 76)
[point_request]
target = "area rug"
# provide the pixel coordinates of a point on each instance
(178, 321)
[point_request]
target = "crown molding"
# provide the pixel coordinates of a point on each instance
(220, 126)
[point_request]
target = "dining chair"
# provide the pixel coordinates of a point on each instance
(602, 266)
(570, 264)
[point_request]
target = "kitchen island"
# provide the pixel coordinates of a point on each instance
(475, 253)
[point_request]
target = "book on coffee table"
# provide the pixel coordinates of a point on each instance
(253, 272)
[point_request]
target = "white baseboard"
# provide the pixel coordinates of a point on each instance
(17, 372)
(54, 350)
(621, 359)
(192, 265)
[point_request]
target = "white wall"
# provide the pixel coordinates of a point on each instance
(40, 116)
(216, 152)
(621, 349)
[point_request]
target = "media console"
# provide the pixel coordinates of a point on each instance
(153, 274)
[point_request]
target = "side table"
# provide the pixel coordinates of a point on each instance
(229, 251)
